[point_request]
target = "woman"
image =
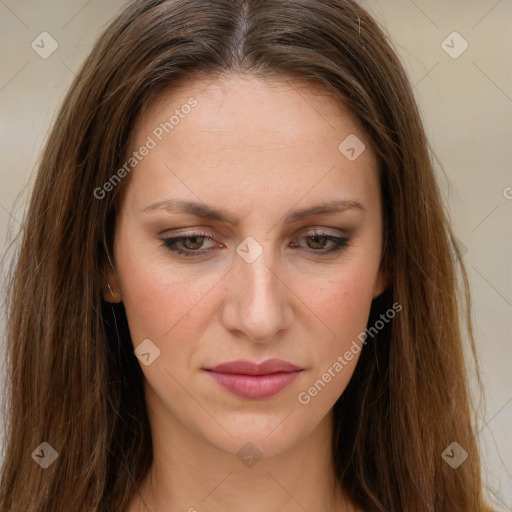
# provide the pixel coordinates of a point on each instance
(234, 289)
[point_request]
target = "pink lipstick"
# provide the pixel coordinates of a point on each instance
(253, 380)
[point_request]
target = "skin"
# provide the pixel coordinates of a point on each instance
(257, 149)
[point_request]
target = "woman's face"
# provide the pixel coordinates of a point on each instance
(234, 166)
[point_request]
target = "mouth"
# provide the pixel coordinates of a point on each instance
(252, 380)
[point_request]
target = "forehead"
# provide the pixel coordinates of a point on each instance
(290, 111)
(250, 139)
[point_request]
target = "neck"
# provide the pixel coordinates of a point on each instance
(192, 475)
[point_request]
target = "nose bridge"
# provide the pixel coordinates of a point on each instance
(262, 281)
(259, 305)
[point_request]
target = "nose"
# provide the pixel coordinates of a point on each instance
(258, 301)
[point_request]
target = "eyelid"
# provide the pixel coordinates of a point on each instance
(325, 231)
(313, 230)
(190, 232)
(340, 241)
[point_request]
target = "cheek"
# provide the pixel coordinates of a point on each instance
(159, 300)
(342, 304)
(160, 305)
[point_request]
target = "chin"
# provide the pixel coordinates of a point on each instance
(259, 436)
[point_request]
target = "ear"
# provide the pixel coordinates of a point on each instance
(109, 283)
(382, 280)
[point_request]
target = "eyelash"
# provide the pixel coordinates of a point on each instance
(340, 243)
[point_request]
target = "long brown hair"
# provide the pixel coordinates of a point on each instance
(73, 380)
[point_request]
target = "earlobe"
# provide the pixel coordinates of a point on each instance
(110, 285)
(382, 281)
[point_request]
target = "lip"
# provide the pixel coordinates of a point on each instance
(248, 379)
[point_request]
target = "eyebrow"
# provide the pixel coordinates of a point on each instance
(219, 214)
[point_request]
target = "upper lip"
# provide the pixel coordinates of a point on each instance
(246, 367)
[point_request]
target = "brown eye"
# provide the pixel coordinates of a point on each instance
(197, 241)
(191, 245)
(318, 242)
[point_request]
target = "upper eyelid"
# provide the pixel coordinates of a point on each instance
(304, 232)
(205, 234)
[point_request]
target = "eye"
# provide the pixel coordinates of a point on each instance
(192, 244)
(317, 240)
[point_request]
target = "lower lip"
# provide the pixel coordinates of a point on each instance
(254, 386)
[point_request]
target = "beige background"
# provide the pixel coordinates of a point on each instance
(466, 104)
